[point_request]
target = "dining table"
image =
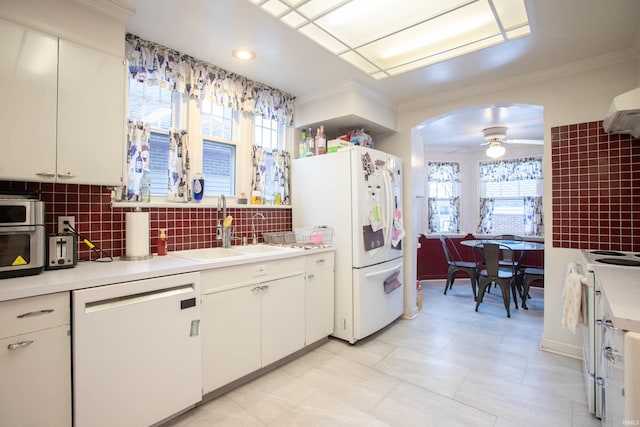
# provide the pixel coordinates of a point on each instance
(516, 246)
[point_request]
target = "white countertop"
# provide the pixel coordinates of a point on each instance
(621, 285)
(89, 274)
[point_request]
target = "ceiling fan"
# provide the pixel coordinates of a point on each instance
(496, 135)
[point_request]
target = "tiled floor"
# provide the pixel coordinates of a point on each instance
(450, 366)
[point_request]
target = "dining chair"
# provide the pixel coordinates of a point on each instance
(456, 263)
(531, 274)
(490, 271)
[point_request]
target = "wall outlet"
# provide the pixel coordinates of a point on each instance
(62, 227)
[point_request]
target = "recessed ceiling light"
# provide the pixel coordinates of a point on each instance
(244, 54)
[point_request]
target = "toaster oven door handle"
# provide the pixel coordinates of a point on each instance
(35, 313)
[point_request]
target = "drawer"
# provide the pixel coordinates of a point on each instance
(319, 261)
(34, 313)
(239, 275)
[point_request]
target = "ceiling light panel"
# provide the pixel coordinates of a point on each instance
(512, 14)
(363, 21)
(294, 19)
(444, 56)
(293, 3)
(354, 59)
(275, 7)
(314, 8)
(385, 38)
(316, 34)
(444, 33)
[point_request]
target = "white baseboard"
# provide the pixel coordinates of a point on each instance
(561, 348)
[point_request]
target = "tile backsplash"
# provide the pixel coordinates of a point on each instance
(187, 228)
(595, 188)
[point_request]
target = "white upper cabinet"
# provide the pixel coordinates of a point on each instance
(63, 110)
(28, 84)
(90, 115)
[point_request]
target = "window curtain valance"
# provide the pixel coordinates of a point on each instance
(158, 65)
(443, 172)
(511, 170)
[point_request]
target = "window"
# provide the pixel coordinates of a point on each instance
(267, 134)
(218, 149)
(443, 182)
(153, 105)
(511, 197)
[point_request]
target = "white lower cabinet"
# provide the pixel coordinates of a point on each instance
(252, 316)
(35, 361)
(320, 281)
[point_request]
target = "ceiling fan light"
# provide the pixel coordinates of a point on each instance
(495, 150)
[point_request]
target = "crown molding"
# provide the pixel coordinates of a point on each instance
(108, 8)
(618, 57)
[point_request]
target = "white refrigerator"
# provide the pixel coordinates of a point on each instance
(358, 192)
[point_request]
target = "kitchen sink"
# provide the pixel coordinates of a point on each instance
(208, 254)
(247, 251)
(261, 249)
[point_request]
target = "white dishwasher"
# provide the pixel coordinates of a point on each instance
(136, 351)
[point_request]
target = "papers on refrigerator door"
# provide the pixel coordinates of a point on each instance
(372, 239)
(391, 283)
(397, 230)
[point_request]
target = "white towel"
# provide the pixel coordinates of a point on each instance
(572, 294)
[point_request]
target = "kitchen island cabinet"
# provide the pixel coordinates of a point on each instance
(35, 361)
(252, 315)
(63, 110)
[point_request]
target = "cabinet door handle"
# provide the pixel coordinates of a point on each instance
(320, 261)
(18, 345)
(310, 276)
(256, 289)
(35, 313)
(66, 175)
(264, 287)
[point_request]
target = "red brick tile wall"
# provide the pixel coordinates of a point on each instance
(595, 188)
(187, 228)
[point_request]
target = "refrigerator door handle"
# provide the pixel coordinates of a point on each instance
(381, 272)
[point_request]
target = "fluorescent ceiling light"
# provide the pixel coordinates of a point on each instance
(384, 38)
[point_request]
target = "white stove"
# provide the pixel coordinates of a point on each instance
(592, 330)
(611, 258)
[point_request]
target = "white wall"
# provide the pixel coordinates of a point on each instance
(569, 95)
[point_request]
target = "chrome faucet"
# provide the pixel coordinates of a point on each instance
(220, 233)
(254, 240)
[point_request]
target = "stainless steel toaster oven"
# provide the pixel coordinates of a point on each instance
(22, 236)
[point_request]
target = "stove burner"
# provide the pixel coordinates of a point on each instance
(620, 261)
(607, 253)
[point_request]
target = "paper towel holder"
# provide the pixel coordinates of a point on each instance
(136, 257)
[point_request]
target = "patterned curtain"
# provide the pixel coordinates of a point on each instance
(533, 224)
(179, 189)
(453, 207)
(511, 170)
(138, 171)
(443, 202)
(432, 214)
(281, 165)
(486, 216)
(258, 181)
(158, 65)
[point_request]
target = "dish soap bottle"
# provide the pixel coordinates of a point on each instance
(162, 242)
